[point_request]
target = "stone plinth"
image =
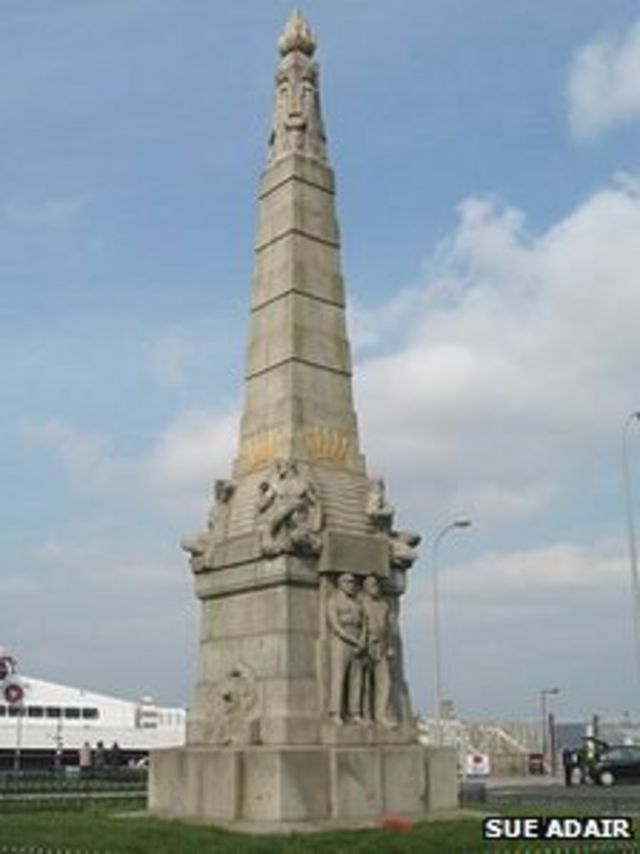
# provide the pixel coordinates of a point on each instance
(269, 787)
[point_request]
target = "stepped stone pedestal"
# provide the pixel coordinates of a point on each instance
(301, 714)
(271, 787)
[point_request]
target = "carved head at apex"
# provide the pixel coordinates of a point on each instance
(297, 120)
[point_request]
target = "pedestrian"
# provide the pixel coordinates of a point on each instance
(568, 763)
(115, 756)
(584, 761)
(84, 759)
(100, 757)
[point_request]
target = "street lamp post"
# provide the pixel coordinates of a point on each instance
(546, 692)
(631, 533)
(437, 673)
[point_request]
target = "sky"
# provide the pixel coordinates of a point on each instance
(487, 157)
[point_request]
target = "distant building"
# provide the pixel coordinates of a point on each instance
(509, 745)
(42, 721)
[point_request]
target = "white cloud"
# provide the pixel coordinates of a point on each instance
(487, 501)
(174, 473)
(494, 605)
(111, 565)
(104, 605)
(89, 457)
(193, 449)
(520, 361)
(514, 621)
(169, 356)
(371, 327)
(516, 369)
(559, 566)
(604, 83)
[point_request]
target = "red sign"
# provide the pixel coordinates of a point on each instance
(14, 693)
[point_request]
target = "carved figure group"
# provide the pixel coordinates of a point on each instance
(380, 515)
(361, 647)
(201, 545)
(379, 512)
(289, 512)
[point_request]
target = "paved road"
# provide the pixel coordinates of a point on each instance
(549, 791)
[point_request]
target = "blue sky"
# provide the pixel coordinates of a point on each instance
(488, 172)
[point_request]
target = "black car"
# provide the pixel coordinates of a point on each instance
(619, 763)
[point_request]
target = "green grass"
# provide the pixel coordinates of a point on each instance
(107, 831)
(98, 831)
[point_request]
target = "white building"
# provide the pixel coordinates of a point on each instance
(53, 717)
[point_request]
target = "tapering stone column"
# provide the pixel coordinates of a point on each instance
(298, 382)
(301, 710)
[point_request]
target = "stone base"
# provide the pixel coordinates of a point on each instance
(268, 788)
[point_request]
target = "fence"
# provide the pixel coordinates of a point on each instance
(28, 791)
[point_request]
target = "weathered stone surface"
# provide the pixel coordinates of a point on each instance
(355, 553)
(257, 613)
(273, 786)
(272, 655)
(442, 778)
(314, 335)
(195, 783)
(404, 781)
(298, 205)
(256, 575)
(370, 734)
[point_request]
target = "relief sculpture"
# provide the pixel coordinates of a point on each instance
(200, 546)
(361, 647)
(402, 544)
(379, 513)
(403, 548)
(347, 646)
(233, 707)
(379, 652)
(289, 512)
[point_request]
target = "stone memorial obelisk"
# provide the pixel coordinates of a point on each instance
(301, 712)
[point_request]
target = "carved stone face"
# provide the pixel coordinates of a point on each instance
(286, 468)
(347, 583)
(296, 96)
(297, 123)
(223, 490)
(371, 586)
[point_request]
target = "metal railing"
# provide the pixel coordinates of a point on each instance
(42, 790)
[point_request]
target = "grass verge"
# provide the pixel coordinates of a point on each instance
(105, 831)
(101, 831)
